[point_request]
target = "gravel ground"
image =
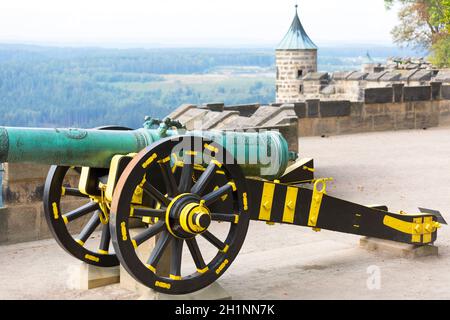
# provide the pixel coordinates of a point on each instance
(403, 170)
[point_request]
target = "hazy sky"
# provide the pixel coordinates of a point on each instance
(192, 23)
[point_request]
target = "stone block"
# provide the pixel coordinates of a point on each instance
(398, 92)
(327, 127)
(216, 106)
(407, 75)
(84, 276)
(421, 75)
(391, 76)
(290, 132)
(378, 95)
(436, 89)
(335, 108)
(404, 121)
(377, 69)
(342, 75)
(419, 93)
(15, 172)
(300, 109)
(445, 92)
(373, 109)
(313, 108)
(306, 126)
(24, 183)
(443, 76)
(262, 115)
(192, 117)
(426, 120)
(348, 125)
(444, 106)
(245, 110)
(216, 118)
(409, 107)
(383, 122)
(390, 108)
(396, 249)
(444, 114)
(181, 110)
(422, 106)
(23, 192)
(357, 76)
(356, 109)
(316, 76)
(375, 76)
(22, 223)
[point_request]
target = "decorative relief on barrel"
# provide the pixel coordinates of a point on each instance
(76, 134)
(141, 141)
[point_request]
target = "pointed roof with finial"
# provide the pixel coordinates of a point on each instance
(296, 38)
(369, 58)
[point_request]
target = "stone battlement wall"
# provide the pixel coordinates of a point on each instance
(395, 107)
(392, 108)
(352, 85)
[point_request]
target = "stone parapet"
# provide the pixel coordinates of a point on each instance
(363, 117)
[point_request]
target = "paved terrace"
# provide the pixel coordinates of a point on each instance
(403, 170)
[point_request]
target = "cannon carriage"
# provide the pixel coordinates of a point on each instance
(176, 185)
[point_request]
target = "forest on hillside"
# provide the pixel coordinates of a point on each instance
(88, 87)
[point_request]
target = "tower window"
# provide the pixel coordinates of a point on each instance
(300, 89)
(277, 87)
(299, 74)
(278, 73)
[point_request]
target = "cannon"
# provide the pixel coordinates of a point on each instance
(176, 185)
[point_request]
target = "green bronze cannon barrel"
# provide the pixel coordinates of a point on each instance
(68, 147)
(263, 154)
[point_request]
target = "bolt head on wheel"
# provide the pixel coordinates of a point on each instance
(187, 216)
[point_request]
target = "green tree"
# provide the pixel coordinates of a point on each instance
(441, 53)
(424, 24)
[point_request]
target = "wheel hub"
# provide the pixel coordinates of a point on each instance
(187, 216)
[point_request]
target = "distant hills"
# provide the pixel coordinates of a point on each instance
(87, 87)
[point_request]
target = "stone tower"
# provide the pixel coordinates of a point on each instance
(296, 55)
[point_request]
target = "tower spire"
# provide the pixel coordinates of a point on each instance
(296, 37)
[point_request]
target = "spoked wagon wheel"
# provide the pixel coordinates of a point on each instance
(62, 183)
(195, 190)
